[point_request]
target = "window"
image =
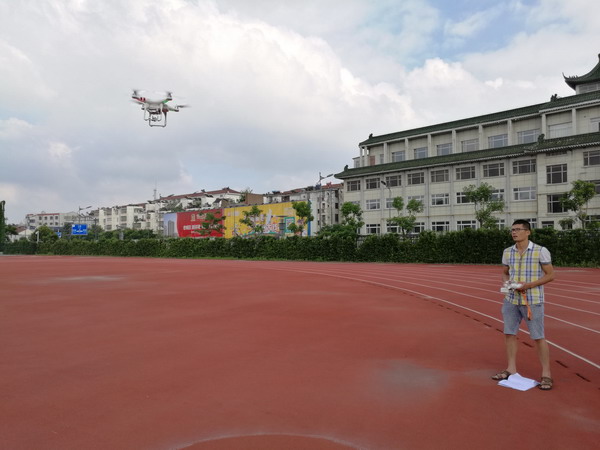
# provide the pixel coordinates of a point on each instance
(493, 170)
(419, 198)
(559, 130)
(419, 227)
(527, 137)
(372, 204)
(591, 158)
(523, 166)
(547, 223)
(500, 140)
(393, 180)
(461, 198)
(556, 174)
(440, 226)
(597, 183)
(470, 145)
(440, 199)
(393, 228)
(463, 224)
(444, 149)
(389, 202)
(416, 178)
(439, 176)
(554, 205)
(498, 194)
(420, 152)
(398, 156)
(465, 173)
(381, 158)
(353, 186)
(524, 193)
(373, 228)
(594, 125)
(372, 183)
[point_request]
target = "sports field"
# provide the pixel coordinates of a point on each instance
(133, 353)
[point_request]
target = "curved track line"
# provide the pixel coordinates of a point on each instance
(487, 300)
(582, 358)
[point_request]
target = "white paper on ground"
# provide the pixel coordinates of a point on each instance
(516, 381)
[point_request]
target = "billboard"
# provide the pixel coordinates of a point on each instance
(275, 219)
(79, 229)
(189, 224)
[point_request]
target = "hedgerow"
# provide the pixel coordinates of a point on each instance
(568, 248)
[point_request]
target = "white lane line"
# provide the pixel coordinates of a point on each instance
(582, 358)
(486, 300)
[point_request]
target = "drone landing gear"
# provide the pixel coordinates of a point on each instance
(155, 119)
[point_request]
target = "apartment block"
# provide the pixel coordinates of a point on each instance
(529, 155)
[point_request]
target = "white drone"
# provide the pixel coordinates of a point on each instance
(156, 109)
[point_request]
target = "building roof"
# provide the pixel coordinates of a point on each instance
(511, 151)
(471, 122)
(590, 77)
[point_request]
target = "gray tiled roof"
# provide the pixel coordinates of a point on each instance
(591, 76)
(487, 118)
(545, 145)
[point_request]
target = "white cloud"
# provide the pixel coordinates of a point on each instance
(278, 92)
(469, 26)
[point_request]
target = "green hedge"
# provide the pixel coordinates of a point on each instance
(568, 248)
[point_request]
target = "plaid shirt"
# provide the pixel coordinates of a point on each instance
(525, 269)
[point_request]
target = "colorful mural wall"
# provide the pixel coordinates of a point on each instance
(189, 224)
(275, 219)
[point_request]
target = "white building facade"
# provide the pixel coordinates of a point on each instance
(529, 155)
(325, 202)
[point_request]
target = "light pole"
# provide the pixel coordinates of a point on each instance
(320, 198)
(79, 213)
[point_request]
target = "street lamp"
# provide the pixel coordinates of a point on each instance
(320, 199)
(79, 213)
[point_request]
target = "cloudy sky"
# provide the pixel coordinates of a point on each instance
(280, 90)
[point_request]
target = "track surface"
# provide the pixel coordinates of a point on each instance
(132, 353)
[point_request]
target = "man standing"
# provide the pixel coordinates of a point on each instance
(530, 265)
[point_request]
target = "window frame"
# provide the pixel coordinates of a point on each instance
(460, 173)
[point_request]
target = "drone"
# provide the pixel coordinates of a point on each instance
(156, 109)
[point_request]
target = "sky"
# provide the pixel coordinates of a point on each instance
(279, 91)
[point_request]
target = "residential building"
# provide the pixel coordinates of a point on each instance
(325, 201)
(529, 155)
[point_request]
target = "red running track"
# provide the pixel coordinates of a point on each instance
(132, 353)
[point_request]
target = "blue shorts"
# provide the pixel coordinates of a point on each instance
(514, 314)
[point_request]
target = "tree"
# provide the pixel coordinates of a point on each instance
(351, 223)
(485, 204)
(43, 234)
(251, 220)
(566, 223)
(577, 199)
(304, 215)
(406, 223)
(244, 195)
(210, 224)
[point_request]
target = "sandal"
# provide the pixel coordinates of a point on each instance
(545, 384)
(501, 375)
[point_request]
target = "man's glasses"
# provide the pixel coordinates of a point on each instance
(513, 230)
